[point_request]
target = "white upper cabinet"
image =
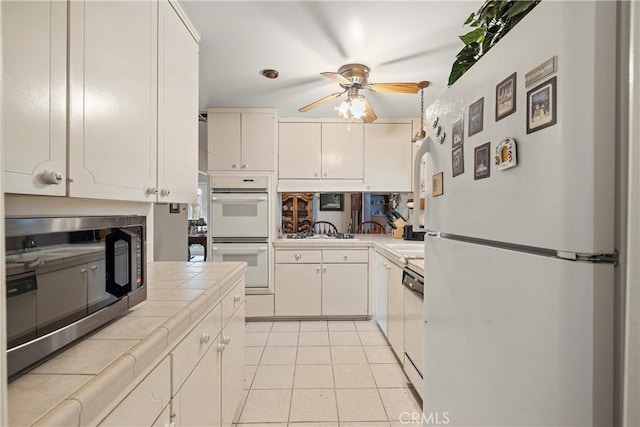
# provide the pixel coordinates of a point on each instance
(241, 140)
(113, 99)
(387, 156)
(320, 150)
(331, 155)
(177, 109)
(342, 150)
(300, 145)
(34, 43)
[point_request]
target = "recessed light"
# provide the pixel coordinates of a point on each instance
(269, 73)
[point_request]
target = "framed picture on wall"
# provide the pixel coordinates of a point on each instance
(506, 97)
(476, 117)
(541, 106)
(332, 202)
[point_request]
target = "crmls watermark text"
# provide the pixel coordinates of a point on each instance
(432, 418)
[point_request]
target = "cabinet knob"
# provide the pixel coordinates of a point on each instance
(324, 269)
(346, 257)
(315, 174)
(317, 269)
(83, 270)
(165, 192)
(226, 340)
(325, 174)
(151, 191)
(244, 166)
(94, 267)
(205, 338)
(220, 348)
(52, 177)
(297, 257)
(235, 165)
(236, 298)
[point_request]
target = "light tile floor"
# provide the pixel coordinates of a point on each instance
(323, 374)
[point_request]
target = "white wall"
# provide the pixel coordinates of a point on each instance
(170, 233)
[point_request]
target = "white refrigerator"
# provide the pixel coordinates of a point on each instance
(519, 263)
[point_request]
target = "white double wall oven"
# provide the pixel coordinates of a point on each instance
(240, 225)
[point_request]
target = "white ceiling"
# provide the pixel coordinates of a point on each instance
(400, 41)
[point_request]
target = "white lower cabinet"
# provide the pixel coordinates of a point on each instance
(380, 278)
(329, 282)
(198, 401)
(298, 289)
(200, 382)
(389, 302)
(147, 402)
(344, 292)
(232, 366)
(211, 393)
(396, 311)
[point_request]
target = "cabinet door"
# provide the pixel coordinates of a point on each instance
(233, 366)
(344, 289)
(342, 150)
(198, 402)
(258, 141)
(298, 289)
(223, 136)
(299, 150)
(381, 276)
(387, 156)
(113, 99)
(34, 43)
(146, 402)
(177, 109)
(396, 311)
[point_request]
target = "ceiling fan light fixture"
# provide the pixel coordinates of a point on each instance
(358, 108)
(343, 109)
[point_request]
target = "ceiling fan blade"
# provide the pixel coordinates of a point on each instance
(320, 102)
(398, 87)
(337, 78)
(371, 115)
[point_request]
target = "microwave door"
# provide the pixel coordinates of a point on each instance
(121, 275)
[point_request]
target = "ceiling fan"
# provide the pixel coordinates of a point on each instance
(352, 78)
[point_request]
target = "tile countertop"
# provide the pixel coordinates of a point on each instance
(380, 242)
(103, 365)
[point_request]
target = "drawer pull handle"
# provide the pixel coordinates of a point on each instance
(237, 298)
(226, 340)
(297, 257)
(221, 348)
(205, 338)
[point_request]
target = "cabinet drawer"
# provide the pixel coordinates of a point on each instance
(346, 255)
(187, 354)
(232, 301)
(146, 402)
(298, 257)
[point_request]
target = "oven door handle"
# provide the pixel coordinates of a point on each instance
(226, 199)
(238, 251)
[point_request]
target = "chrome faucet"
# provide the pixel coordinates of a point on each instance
(29, 243)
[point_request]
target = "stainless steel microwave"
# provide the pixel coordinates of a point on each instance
(67, 276)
